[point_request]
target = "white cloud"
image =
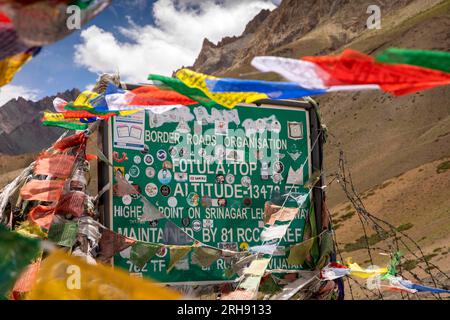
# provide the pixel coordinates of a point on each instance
(10, 91)
(174, 41)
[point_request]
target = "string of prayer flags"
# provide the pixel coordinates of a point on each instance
(88, 282)
(63, 234)
(299, 252)
(274, 232)
(42, 190)
(353, 67)
(111, 243)
(57, 165)
(176, 254)
(307, 74)
(142, 252)
(181, 88)
(437, 60)
(42, 215)
(274, 90)
(229, 100)
(204, 256)
(16, 253)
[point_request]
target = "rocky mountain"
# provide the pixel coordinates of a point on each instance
(20, 128)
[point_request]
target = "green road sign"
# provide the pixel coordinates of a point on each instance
(210, 172)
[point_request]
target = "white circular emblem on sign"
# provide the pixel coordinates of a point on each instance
(196, 225)
(229, 178)
(151, 190)
(126, 200)
(148, 159)
(172, 202)
(150, 172)
(137, 159)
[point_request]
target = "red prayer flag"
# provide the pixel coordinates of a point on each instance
(153, 96)
(58, 165)
(27, 278)
(353, 67)
(42, 190)
(70, 142)
(42, 216)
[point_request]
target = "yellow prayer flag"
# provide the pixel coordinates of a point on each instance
(83, 99)
(64, 277)
(357, 271)
(10, 66)
(229, 99)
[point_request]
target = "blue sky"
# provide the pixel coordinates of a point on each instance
(134, 37)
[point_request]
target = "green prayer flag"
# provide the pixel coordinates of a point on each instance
(438, 60)
(205, 256)
(63, 234)
(176, 254)
(181, 88)
(299, 252)
(66, 125)
(142, 252)
(16, 253)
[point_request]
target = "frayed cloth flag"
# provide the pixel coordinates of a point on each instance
(420, 288)
(72, 204)
(70, 142)
(204, 256)
(438, 60)
(10, 66)
(274, 90)
(306, 74)
(334, 271)
(353, 67)
(57, 165)
(238, 295)
(42, 215)
(274, 232)
(63, 234)
(264, 249)
(229, 100)
(283, 214)
(357, 271)
(150, 212)
(142, 252)
(176, 254)
(65, 124)
(97, 282)
(299, 252)
(122, 187)
(257, 267)
(42, 190)
(27, 278)
(16, 253)
(111, 243)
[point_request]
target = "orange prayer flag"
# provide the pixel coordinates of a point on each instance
(42, 190)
